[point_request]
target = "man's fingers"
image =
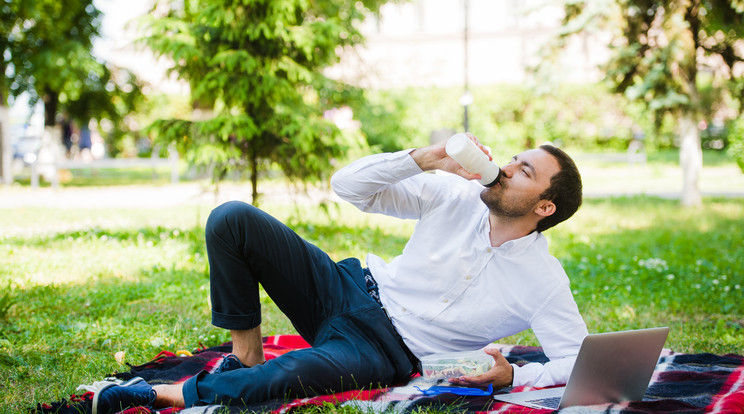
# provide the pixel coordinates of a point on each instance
(478, 381)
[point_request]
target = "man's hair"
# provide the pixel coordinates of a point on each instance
(564, 191)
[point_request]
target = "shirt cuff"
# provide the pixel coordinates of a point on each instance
(407, 167)
(521, 375)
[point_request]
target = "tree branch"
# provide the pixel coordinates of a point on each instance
(727, 53)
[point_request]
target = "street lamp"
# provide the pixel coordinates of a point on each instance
(466, 98)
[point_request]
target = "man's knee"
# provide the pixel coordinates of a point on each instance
(224, 216)
(229, 209)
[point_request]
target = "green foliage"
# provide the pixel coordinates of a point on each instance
(510, 118)
(11, 13)
(662, 55)
(583, 116)
(658, 48)
(736, 142)
(256, 67)
(47, 48)
(45, 39)
(6, 301)
(385, 119)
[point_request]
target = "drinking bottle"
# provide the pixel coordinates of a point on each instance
(463, 150)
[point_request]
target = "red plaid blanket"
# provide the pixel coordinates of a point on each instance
(682, 383)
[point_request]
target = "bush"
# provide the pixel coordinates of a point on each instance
(736, 141)
(511, 118)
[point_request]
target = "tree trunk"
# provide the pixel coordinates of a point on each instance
(690, 150)
(691, 161)
(51, 101)
(254, 178)
(6, 148)
(52, 148)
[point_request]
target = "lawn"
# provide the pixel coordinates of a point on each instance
(81, 284)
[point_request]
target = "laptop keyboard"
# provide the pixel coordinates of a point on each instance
(551, 402)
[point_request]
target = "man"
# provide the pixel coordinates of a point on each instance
(475, 270)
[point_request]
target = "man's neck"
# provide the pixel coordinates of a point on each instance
(504, 229)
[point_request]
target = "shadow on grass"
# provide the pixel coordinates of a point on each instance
(351, 241)
(194, 236)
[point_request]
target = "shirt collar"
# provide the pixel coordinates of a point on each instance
(517, 246)
(511, 247)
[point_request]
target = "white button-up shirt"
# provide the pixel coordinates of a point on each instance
(450, 290)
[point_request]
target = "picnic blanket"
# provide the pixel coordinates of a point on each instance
(682, 383)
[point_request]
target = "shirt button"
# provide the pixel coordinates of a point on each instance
(489, 250)
(468, 277)
(403, 309)
(444, 300)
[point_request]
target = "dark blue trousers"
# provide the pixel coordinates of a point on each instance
(354, 344)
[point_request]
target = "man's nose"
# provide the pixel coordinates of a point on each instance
(508, 170)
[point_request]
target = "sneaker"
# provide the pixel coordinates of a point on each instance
(229, 362)
(115, 397)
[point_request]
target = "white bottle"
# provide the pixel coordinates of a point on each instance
(472, 159)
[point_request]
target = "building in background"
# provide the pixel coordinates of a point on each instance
(417, 43)
(423, 43)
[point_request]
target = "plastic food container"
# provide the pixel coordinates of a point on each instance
(454, 364)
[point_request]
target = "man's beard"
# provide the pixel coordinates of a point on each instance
(506, 208)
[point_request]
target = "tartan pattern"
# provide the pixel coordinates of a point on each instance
(682, 383)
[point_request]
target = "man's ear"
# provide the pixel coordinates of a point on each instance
(545, 208)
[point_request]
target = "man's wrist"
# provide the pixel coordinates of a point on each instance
(511, 382)
(417, 157)
(425, 158)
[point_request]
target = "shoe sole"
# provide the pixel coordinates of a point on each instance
(107, 386)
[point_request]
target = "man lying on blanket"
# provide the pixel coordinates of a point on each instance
(475, 270)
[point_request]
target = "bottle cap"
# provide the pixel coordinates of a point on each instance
(495, 180)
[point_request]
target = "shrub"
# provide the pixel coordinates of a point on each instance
(736, 141)
(510, 118)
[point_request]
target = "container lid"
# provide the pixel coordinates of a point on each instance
(455, 355)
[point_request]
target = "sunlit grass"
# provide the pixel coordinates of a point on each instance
(653, 178)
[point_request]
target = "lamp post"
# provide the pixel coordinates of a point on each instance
(466, 98)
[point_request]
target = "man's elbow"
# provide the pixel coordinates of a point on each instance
(338, 185)
(347, 190)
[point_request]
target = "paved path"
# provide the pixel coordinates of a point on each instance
(145, 196)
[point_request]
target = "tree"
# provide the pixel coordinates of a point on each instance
(255, 66)
(683, 58)
(11, 14)
(47, 53)
(54, 42)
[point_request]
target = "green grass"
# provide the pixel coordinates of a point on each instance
(79, 285)
(661, 174)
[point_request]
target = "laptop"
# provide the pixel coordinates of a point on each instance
(610, 367)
